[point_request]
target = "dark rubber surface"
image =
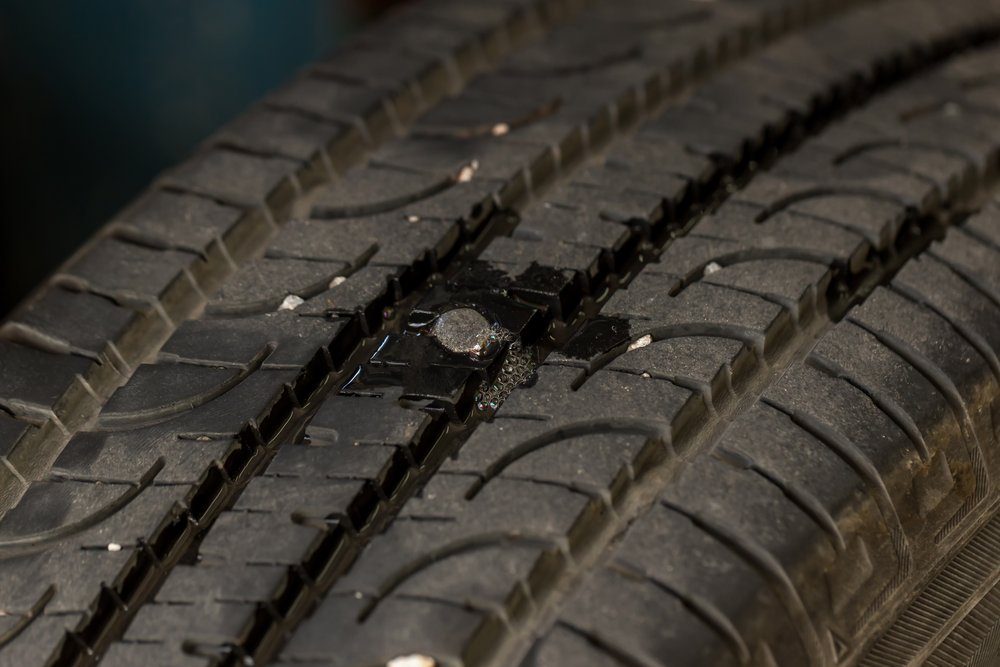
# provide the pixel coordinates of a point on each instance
(733, 397)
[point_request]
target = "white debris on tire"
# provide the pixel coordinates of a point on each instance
(291, 302)
(640, 342)
(466, 173)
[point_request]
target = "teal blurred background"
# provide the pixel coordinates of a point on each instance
(98, 97)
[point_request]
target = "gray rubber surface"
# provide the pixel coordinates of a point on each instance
(732, 395)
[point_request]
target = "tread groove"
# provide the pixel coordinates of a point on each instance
(761, 560)
(321, 429)
(949, 391)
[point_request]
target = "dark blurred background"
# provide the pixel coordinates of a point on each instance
(98, 97)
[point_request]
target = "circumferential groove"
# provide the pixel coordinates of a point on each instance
(179, 531)
(266, 632)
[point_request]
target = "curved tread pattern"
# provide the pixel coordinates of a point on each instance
(341, 471)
